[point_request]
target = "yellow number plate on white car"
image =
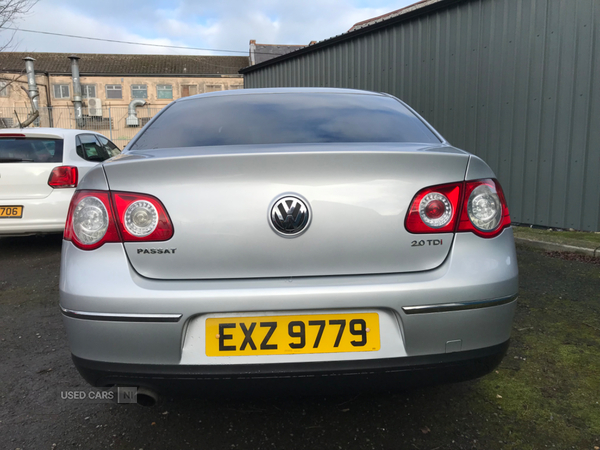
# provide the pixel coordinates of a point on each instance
(11, 212)
(284, 335)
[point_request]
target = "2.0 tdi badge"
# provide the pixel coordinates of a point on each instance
(290, 215)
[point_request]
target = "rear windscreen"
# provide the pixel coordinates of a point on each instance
(284, 118)
(16, 150)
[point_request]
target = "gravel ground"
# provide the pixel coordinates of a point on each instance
(545, 394)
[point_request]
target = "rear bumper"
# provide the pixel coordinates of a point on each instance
(375, 374)
(42, 215)
(126, 329)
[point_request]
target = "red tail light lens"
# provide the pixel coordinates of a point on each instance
(141, 217)
(63, 177)
(434, 209)
(480, 205)
(97, 217)
(484, 211)
(90, 221)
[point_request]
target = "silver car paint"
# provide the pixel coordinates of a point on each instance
(478, 169)
(104, 281)
(476, 269)
(219, 204)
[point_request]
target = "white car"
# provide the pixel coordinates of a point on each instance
(39, 171)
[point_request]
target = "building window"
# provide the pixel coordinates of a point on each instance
(188, 89)
(88, 90)
(236, 86)
(61, 91)
(164, 91)
(139, 91)
(4, 89)
(114, 91)
(214, 87)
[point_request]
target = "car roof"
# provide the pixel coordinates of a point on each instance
(263, 91)
(52, 133)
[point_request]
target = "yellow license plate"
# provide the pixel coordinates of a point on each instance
(11, 212)
(284, 335)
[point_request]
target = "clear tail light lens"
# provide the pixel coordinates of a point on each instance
(140, 218)
(480, 205)
(63, 177)
(97, 217)
(484, 208)
(90, 221)
(485, 211)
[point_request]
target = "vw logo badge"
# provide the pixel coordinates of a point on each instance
(290, 215)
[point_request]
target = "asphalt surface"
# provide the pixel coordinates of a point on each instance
(36, 368)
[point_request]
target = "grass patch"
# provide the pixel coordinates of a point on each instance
(576, 238)
(549, 384)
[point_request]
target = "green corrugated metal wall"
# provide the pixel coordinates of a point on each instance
(516, 82)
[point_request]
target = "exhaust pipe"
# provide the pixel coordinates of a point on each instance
(146, 397)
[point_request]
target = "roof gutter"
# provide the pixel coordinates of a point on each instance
(154, 75)
(417, 10)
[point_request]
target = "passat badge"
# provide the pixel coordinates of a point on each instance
(290, 216)
(156, 251)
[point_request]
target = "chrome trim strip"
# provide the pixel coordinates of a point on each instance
(121, 317)
(458, 306)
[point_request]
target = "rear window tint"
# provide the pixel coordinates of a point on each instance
(24, 150)
(284, 118)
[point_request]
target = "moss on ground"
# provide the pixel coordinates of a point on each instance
(551, 382)
(548, 386)
(576, 238)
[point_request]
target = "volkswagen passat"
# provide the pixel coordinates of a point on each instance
(276, 234)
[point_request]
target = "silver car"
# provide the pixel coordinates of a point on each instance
(271, 235)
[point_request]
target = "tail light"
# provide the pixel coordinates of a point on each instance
(141, 217)
(97, 217)
(473, 206)
(63, 177)
(90, 220)
(434, 209)
(484, 210)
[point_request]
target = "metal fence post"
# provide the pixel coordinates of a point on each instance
(71, 121)
(110, 123)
